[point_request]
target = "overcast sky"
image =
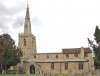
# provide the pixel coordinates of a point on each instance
(56, 24)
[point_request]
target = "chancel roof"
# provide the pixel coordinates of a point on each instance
(76, 50)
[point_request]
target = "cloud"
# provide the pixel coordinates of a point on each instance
(4, 23)
(36, 21)
(10, 16)
(55, 23)
(19, 21)
(10, 11)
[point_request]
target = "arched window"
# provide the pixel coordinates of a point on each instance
(80, 66)
(66, 66)
(52, 66)
(24, 42)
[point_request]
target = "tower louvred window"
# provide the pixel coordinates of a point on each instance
(24, 42)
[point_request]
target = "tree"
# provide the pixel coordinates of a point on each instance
(96, 46)
(11, 53)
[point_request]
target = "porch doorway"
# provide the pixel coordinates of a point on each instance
(32, 69)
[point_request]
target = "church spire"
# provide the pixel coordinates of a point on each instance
(27, 26)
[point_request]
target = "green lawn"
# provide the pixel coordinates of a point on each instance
(30, 75)
(18, 75)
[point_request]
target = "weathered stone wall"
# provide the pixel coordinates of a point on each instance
(96, 72)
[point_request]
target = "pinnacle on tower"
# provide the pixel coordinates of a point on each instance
(27, 26)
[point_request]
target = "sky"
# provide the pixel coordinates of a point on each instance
(57, 24)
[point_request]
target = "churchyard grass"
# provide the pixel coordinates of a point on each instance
(29, 75)
(18, 75)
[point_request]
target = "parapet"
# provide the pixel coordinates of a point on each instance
(26, 35)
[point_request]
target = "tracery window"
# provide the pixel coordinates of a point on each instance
(80, 66)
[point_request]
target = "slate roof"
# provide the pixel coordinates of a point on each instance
(57, 60)
(76, 50)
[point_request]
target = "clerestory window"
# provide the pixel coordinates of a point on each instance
(75, 55)
(47, 56)
(67, 55)
(57, 56)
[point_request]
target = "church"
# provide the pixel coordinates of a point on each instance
(69, 61)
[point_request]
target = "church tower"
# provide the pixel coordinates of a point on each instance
(27, 41)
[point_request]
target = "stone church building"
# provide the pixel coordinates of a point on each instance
(73, 60)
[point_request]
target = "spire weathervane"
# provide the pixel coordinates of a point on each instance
(27, 2)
